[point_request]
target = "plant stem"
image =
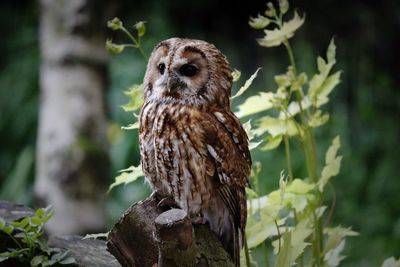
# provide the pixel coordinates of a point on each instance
(288, 157)
(15, 241)
(135, 42)
(291, 57)
(312, 157)
(318, 240)
(309, 142)
(310, 154)
(266, 258)
(142, 52)
(332, 209)
(246, 251)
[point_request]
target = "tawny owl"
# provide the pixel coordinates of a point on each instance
(193, 148)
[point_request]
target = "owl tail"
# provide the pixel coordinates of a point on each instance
(234, 246)
(237, 245)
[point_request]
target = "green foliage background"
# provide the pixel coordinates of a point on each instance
(365, 108)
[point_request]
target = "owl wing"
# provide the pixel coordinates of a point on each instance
(227, 146)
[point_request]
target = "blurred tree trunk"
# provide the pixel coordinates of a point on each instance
(72, 159)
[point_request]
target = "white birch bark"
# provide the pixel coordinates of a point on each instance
(72, 158)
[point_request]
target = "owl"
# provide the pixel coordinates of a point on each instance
(193, 148)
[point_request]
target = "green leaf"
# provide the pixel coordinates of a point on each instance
(299, 186)
(391, 262)
(289, 200)
(255, 104)
(331, 52)
(42, 215)
(14, 253)
(135, 94)
(333, 257)
(127, 176)
(293, 245)
(115, 24)
(8, 229)
(294, 195)
(21, 223)
(275, 126)
(36, 221)
(140, 28)
(48, 263)
(114, 48)
(39, 212)
(282, 185)
(283, 80)
(335, 235)
(4, 256)
(57, 257)
(253, 145)
(37, 260)
(256, 203)
(284, 259)
(317, 119)
(322, 84)
(132, 126)
(250, 135)
(272, 142)
(261, 230)
(259, 22)
(294, 108)
(297, 84)
(270, 11)
(246, 84)
(326, 88)
(243, 260)
(335, 244)
(247, 128)
(283, 6)
(236, 75)
(277, 36)
(332, 163)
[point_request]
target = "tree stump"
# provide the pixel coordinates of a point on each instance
(149, 236)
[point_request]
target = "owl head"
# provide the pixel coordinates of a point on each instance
(191, 72)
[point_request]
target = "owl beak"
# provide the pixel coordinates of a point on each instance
(173, 83)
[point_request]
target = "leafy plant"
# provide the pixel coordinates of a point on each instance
(29, 246)
(117, 25)
(293, 216)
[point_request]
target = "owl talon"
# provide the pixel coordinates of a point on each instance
(156, 195)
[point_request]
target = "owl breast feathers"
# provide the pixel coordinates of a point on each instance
(193, 148)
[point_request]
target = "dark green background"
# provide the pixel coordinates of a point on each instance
(365, 107)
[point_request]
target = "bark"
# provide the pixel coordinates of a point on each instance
(148, 236)
(13, 212)
(86, 252)
(72, 159)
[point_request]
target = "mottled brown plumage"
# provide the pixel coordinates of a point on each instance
(193, 148)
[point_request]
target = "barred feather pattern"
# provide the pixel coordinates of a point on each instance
(192, 146)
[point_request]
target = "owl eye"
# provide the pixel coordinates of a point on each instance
(188, 70)
(161, 68)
